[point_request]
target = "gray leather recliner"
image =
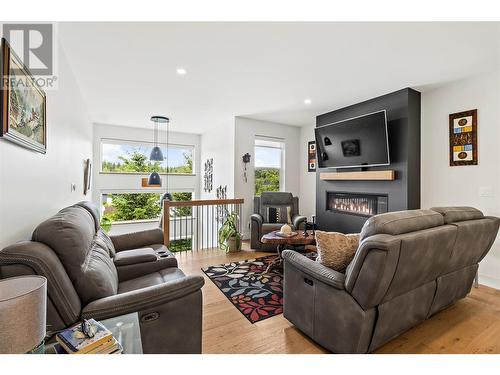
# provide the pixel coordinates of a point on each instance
(91, 275)
(259, 227)
(409, 266)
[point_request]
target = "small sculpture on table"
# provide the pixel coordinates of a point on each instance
(310, 225)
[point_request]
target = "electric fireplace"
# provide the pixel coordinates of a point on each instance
(360, 204)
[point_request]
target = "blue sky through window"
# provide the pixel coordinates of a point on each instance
(112, 151)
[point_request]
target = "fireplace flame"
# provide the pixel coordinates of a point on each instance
(353, 205)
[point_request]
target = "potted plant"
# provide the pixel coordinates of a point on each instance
(229, 237)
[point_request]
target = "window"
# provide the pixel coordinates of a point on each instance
(133, 157)
(118, 207)
(269, 156)
(139, 206)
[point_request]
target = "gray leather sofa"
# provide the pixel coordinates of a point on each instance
(409, 266)
(259, 227)
(91, 275)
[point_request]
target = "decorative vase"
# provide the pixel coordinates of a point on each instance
(286, 229)
(233, 244)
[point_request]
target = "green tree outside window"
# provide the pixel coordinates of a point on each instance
(139, 162)
(266, 179)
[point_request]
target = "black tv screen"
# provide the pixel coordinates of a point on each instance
(356, 142)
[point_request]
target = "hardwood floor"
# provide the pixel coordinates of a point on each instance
(472, 325)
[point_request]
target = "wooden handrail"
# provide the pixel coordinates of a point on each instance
(202, 202)
(194, 203)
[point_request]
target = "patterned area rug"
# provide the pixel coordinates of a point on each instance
(255, 294)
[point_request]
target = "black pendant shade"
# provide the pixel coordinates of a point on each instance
(156, 154)
(154, 179)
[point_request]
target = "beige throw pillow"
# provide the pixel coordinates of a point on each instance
(336, 250)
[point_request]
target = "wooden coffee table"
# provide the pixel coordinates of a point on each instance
(282, 242)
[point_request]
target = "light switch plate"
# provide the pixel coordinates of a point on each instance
(486, 191)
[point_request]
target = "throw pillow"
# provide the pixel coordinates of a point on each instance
(336, 250)
(280, 214)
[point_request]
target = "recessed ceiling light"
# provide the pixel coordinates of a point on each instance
(181, 71)
(307, 101)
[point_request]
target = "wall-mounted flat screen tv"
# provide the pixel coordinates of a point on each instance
(356, 142)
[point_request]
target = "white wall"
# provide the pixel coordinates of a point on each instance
(307, 179)
(245, 132)
(218, 144)
(444, 185)
(35, 186)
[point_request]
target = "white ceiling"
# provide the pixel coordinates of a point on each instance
(127, 71)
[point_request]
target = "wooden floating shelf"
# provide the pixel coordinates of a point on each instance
(360, 176)
(145, 183)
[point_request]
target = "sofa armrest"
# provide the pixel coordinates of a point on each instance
(135, 256)
(141, 299)
(297, 220)
(314, 269)
(257, 218)
(135, 240)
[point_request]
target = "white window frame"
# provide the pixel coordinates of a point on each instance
(145, 143)
(282, 147)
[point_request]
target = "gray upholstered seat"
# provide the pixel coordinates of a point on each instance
(259, 224)
(409, 266)
(77, 258)
(151, 279)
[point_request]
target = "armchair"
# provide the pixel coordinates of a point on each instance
(91, 275)
(260, 223)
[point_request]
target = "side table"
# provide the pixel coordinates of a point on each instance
(282, 242)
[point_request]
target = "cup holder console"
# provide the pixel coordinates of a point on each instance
(161, 254)
(138, 262)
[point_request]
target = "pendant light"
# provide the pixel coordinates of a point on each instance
(156, 153)
(154, 179)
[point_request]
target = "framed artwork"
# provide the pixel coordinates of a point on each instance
(463, 138)
(311, 156)
(87, 176)
(23, 104)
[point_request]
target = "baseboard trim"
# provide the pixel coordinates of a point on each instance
(492, 282)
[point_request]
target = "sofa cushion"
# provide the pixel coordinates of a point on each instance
(336, 250)
(456, 214)
(109, 244)
(93, 210)
(400, 222)
(150, 279)
(71, 233)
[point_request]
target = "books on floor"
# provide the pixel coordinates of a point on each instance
(74, 341)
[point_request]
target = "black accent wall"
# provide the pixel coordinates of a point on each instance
(403, 122)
